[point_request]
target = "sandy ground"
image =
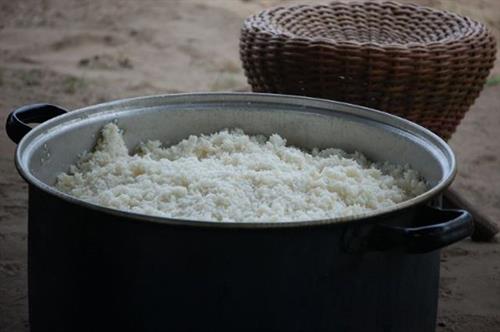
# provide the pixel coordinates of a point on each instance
(76, 53)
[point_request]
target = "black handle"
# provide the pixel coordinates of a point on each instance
(436, 229)
(17, 121)
(449, 227)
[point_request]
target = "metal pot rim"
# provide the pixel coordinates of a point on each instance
(127, 104)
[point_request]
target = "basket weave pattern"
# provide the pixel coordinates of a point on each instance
(419, 63)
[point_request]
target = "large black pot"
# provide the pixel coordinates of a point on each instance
(93, 268)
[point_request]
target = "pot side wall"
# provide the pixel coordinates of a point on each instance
(94, 271)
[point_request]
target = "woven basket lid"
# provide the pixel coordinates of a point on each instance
(420, 63)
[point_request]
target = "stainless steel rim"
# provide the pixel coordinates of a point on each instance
(122, 104)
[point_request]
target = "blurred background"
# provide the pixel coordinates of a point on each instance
(80, 52)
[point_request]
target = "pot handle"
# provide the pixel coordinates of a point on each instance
(439, 228)
(17, 121)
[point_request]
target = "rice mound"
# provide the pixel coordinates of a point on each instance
(232, 177)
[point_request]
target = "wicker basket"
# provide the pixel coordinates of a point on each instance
(423, 64)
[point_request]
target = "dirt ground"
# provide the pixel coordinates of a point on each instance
(75, 53)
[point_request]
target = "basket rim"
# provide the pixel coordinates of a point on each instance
(474, 28)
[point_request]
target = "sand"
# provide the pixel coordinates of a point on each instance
(74, 53)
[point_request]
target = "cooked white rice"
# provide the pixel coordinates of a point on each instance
(232, 177)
